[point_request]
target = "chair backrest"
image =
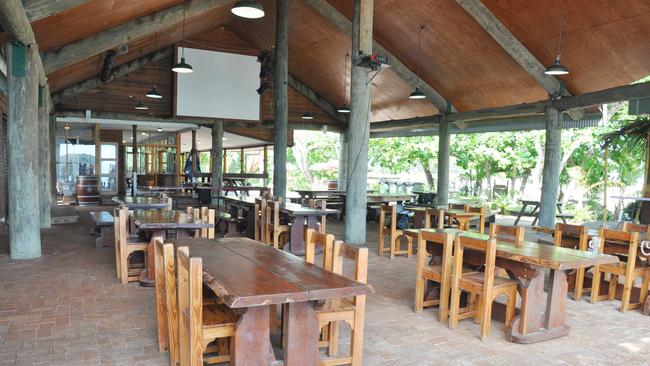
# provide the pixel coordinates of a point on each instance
(487, 246)
(570, 236)
(166, 300)
(481, 213)
(457, 206)
(392, 211)
(190, 303)
(208, 216)
(260, 211)
(116, 227)
(315, 240)
(273, 214)
(507, 233)
(619, 242)
(359, 255)
(639, 228)
(435, 217)
(122, 231)
(445, 239)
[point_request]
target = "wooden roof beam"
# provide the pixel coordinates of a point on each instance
(597, 98)
(39, 9)
(118, 72)
(138, 28)
(345, 25)
(15, 23)
(310, 94)
(489, 22)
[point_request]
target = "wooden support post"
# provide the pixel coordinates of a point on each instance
(98, 149)
(134, 174)
(194, 155)
(280, 76)
(442, 190)
(22, 122)
(45, 178)
(53, 157)
(551, 172)
(216, 157)
(359, 126)
(343, 159)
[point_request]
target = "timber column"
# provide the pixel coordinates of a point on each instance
(442, 188)
(195, 156)
(343, 159)
(216, 157)
(280, 75)
(22, 122)
(359, 126)
(45, 186)
(551, 172)
(134, 174)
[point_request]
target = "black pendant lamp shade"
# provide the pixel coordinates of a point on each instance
(153, 93)
(249, 9)
(182, 67)
(557, 68)
(307, 115)
(344, 109)
(417, 94)
(141, 106)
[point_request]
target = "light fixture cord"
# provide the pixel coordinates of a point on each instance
(559, 43)
(183, 48)
(417, 65)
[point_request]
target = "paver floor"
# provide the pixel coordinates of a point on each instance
(67, 308)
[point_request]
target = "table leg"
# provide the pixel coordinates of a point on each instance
(251, 342)
(535, 213)
(463, 223)
(541, 321)
(300, 342)
(521, 212)
(148, 275)
(297, 240)
(559, 210)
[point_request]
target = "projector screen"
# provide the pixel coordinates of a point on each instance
(223, 85)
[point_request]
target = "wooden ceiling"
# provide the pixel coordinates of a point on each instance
(604, 45)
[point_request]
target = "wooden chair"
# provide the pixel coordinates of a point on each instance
(486, 286)
(260, 222)
(315, 239)
(207, 215)
(166, 307)
(393, 232)
(510, 234)
(274, 229)
(351, 311)
(481, 216)
(575, 237)
(126, 245)
(620, 243)
(457, 206)
(440, 273)
(434, 216)
(198, 325)
(322, 204)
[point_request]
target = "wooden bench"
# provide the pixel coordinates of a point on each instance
(104, 222)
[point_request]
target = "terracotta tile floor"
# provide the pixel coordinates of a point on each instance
(67, 308)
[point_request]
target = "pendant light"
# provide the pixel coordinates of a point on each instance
(249, 9)
(183, 67)
(141, 106)
(557, 68)
(345, 108)
(417, 94)
(308, 116)
(153, 93)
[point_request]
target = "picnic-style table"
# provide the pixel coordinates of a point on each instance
(462, 217)
(156, 223)
(535, 211)
(249, 277)
(541, 317)
(315, 193)
(142, 203)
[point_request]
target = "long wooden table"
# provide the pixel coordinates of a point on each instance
(541, 318)
(157, 222)
(142, 203)
(250, 276)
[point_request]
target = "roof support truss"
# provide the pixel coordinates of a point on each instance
(39, 9)
(516, 50)
(345, 25)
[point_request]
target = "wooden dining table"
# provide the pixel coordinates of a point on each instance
(541, 317)
(249, 277)
(143, 203)
(156, 223)
(463, 218)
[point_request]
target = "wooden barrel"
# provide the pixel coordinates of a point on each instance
(88, 190)
(332, 185)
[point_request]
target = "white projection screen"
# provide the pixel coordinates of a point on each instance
(223, 85)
